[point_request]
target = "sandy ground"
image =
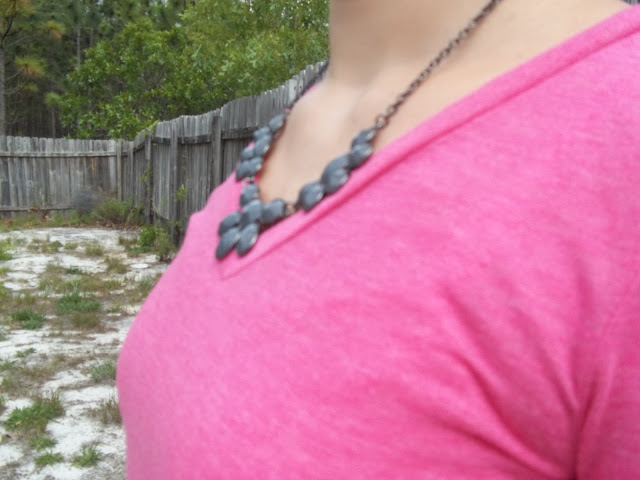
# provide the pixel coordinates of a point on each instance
(79, 393)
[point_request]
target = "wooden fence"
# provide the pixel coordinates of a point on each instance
(169, 172)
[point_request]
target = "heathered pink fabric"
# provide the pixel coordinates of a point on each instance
(466, 308)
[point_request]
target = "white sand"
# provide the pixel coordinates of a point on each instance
(79, 394)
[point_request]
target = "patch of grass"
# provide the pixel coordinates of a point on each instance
(4, 291)
(48, 458)
(4, 270)
(6, 365)
(3, 403)
(25, 353)
(87, 457)
(75, 302)
(115, 265)
(144, 286)
(109, 412)
(70, 246)
(86, 321)
(28, 319)
(51, 247)
(73, 271)
(34, 419)
(94, 249)
(127, 243)
(5, 255)
(8, 385)
(3, 337)
(53, 268)
(41, 442)
(103, 371)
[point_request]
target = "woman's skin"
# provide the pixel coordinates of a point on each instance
(379, 46)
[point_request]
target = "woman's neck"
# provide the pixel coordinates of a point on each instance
(367, 36)
(370, 37)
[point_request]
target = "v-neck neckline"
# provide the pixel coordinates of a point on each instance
(495, 92)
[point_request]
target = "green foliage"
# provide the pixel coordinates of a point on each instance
(25, 353)
(4, 291)
(94, 249)
(35, 418)
(48, 458)
(88, 457)
(86, 321)
(28, 319)
(103, 371)
(218, 51)
(41, 442)
(74, 302)
(155, 239)
(5, 255)
(127, 83)
(255, 46)
(109, 412)
(116, 212)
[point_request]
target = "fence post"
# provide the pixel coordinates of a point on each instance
(148, 176)
(173, 179)
(119, 145)
(215, 153)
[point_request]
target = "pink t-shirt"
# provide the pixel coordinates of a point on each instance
(467, 307)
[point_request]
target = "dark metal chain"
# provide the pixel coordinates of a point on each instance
(382, 120)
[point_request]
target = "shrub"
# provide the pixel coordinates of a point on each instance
(114, 211)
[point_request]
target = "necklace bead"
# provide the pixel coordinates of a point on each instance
(228, 240)
(336, 174)
(310, 195)
(359, 154)
(251, 213)
(248, 238)
(273, 212)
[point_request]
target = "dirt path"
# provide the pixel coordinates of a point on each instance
(67, 299)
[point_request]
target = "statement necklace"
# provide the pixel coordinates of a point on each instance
(241, 229)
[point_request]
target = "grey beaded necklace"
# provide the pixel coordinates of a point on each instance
(241, 229)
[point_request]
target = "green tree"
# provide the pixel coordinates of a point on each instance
(254, 46)
(126, 84)
(157, 69)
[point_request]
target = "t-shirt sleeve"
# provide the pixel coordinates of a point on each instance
(609, 446)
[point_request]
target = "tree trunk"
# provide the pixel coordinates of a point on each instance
(3, 100)
(78, 62)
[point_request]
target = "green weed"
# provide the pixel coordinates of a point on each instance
(5, 255)
(85, 320)
(115, 265)
(28, 319)
(25, 353)
(109, 412)
(41, 442)
(87, 457)
(94, 249)
(34, 419)
(48, 458)
(103, 371)
(74, 302)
